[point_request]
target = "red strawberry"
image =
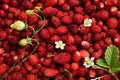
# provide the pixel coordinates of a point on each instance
(13, 39)
(51, 30)
(70, 40)
(32, 19)
(67, 66)
(60, 14)
(2, 13)
(14, 3)
(83, 29)
(45, 34)
(91, 73)
(1, 50)
(76, 56)
(3, 68)
(90, 8)
(61, 30)
(73, 28)
(79, 10)
(50, 47)
(42, 23)
(78, 18)
(96, 55)
(3, 36)
(51, 72)
(95, 28)
(33, 60)
(84, 53)
(46, 61)
(28, 66)
(70, 48)
(2, 23)
(23, 16)
(61, 2)
(112, 22)
(74, 66)
(81, 78)
(96, 46)
(66, 20)
(50, 3)
(28, 4)
(62, 58)
(78, 39)
(65, 7)
(74, 3)
(31, 77)
(56, 21)
(50, 11)
(102, 15)
(6, 45)
(82, 71)
(55, 38)
(112, 32)
(8, 22)
(16, 76)
(41, 49)
(96, 37)
(107, 77)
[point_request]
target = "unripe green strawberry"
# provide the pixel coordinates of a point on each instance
(24, 42)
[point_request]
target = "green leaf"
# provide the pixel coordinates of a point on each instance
(101, 62)
(115, 68)
(111, 55)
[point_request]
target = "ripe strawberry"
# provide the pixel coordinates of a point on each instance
(85, 44)
(108, 40)
(23, 16)
(41, 49)
(112, 32)
(74, 3)
(90, 8)
(33, 60)
(3, 36)
(61, 30)
(74, 66)
(8, 22)
(117, 40)
(55, 38)
(50, 47)
(56, 21)
(96, 37)
(82, 71)
(3, 68)
(60, 14)
(50, 11)
(16, 76)
(96, 55)
(49, 3)
(31, 77)
(2, 13)
(76, 56)
(91, 73)
(2, 50)
(96, 46)
(28, 4)
(42, 23)
(84, 53)
(107, 77)
(32, 19)
(81, 78)
(73, 28)
(67, 66)
(112, 22)
(70, 48)
(78, 39)
(79, 10)
(13, 39)
(70, 40)
(45, 34)
(62, 58)
(78, 18)
(95, 28)
(65, 7)
(28, 66)
(51, 72)
(66, 20)
(5, 6)
(2, 23)
(102, 15)
(83, 30)
(46, 61)
(100, 71)
(6, 45)
(51, 30)
(1, 59)
(61, 2)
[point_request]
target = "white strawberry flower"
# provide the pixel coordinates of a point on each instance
(89, 62)
(60, 44)
(87, 22)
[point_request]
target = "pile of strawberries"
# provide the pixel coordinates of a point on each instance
(64, 21)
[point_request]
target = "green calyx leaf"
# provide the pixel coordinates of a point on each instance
(101, 62)
(38, 8)
(30, 12)
(25, 41)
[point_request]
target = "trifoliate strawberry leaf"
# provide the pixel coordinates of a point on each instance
(102, 63)
(111, 55)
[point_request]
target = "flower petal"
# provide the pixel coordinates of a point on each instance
(87, 58)
(92, 58)
(62, 47)
(92, 64)
(90, 20)
(57, 46)
(56, 42)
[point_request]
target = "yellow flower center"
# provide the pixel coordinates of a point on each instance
(87, 22)
(88, 62)
(60, 44)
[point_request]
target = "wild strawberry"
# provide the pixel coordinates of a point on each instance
(28, 66)
(67, 66)
(96, 46)
(113, 10)
(78, 39)
(2, 13)
(79, 10)
(5, 6)
(84, 53)
(45, 34)
(33, 60)
(41, 49)
(71, 13)
(83, 30)
(70, 40)
(50, 3)
(112, 22)
(55, 38)
(74, 66)
(3, 36)
(106, 77)
(42, 23)
(81, 78)
(28, 4)
(14, 3)
(23, 16)
(66, 20)
(95, 28)
(85, 44)
(50, 47)
(76, 56)
(32, 19)
(102, 15)
(97, 37)
(74, 3)
(61, 30)
(51, 30)
(2, 23)
(46, 61)
(13, 39)
(65, 7)
(31, 77)
(117, 40)
(56, 21)
(6, 45)
(78, 18)
(112, 32)
(1, 59)
(62, 58)
(50, 11)
(3, 68)
(51, 72)
(91, 73)
(70, 48)
(90, 8)
(16, 75)
(60, 14)
(73, 28)
(82, 71)
(8, 22)
(100, 71)
(96, 55)
(61, 2)
(5, 1)
(2, 50)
